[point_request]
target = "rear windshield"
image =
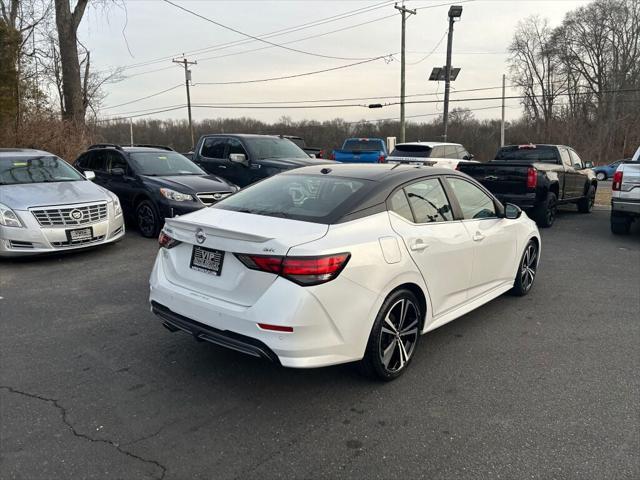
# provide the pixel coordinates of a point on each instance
(37, 169)
(539, 153)
(421, 151)
(362, 145)
(310, 198)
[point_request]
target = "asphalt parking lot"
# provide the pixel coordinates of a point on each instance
(547, 386)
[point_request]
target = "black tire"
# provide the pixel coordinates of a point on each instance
(527, 269)
(393, 339)
(545, 213)
(601, 176)
(585, 204)
(147, 219)
(620, 225)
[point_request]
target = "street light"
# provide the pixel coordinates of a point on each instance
(455, 11)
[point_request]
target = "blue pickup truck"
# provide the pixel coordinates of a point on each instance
(362, 150)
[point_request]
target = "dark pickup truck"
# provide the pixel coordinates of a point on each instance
(537, 178)
(313, 152)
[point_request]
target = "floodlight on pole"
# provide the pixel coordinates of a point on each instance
(455, 11)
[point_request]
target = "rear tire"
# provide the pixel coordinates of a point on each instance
(620, 225)
(527, 269)
(545, 213)
(147, 219)
(585, 204)
(394, 337)
(601, 176)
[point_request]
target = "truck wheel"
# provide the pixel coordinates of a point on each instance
(545, 213)
(585, 204)
(620, 225)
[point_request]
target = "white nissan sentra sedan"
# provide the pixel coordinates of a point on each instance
(46, 205)
(331, 264)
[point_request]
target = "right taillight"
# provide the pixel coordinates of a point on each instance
(304, 271)
(165, 241)
(617, 181)
(532, 177)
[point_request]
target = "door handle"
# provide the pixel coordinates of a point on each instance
(222, 166)
(478, 237)
(418, 246)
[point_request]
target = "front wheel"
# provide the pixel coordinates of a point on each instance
(147, 219)
(601, 176)
(394, 337)
(585, 204)
(526, 270)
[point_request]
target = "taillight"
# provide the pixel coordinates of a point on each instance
(332, 156)
(166, 241)
(304, 271)
(381, 159)
(617, 181)
(532, 177)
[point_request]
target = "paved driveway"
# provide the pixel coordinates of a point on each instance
(541, 387)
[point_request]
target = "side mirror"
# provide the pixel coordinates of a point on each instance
(468, 157)
(240, 158)
(512, 212)
(588, 165)
(89, 175)
(118, 172)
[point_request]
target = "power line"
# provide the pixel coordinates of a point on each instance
(239, 32)
(144, 98)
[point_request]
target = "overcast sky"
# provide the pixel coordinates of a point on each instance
(150, 30)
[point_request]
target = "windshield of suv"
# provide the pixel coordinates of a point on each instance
(274, 147)
(422, 151)
(161, 164)
(37, 169)
(311, 198)
(534, 153)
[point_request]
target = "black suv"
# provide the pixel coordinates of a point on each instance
(245, 159)
(152, 182)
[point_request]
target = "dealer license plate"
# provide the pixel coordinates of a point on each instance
(207, 260)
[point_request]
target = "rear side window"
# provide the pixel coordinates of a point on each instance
(438, 152)
(473, 202)
(450, 151)
(421, 151)
(311, 198)
(213, 147)
(428, 201)
(398, 204)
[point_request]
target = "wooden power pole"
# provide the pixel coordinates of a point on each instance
(403, 11)
(187, 80)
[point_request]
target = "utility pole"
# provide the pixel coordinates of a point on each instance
(187, 80)
(131, 131)
(454, 12)
(502, 121)
(403, 10)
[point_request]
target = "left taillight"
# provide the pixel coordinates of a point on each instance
(305, 271)
(166, 241)
(382, 159)
(617, 181)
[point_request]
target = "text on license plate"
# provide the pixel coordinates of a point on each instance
(207, 260)
(80, 234)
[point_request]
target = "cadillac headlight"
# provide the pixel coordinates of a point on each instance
(8, 217)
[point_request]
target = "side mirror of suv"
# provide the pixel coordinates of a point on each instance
(89, 175)
(468, 157)
(512, 212)
(588, 165)
(240, 158)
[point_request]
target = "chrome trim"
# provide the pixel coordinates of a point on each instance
(70, 215)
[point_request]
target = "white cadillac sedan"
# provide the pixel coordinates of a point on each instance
(331, 264)
(46, 205)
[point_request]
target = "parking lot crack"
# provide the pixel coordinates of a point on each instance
(65, 419)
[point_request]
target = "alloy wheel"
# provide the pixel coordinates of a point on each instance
(399, 335)
(146, 220)
(528, 267)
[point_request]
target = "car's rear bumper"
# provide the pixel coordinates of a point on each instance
(524, 201)
(626, 206)
(319, 338)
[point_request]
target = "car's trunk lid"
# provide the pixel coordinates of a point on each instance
(232, 232)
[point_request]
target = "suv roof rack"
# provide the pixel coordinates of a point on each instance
(148, 145)
(104, 145)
